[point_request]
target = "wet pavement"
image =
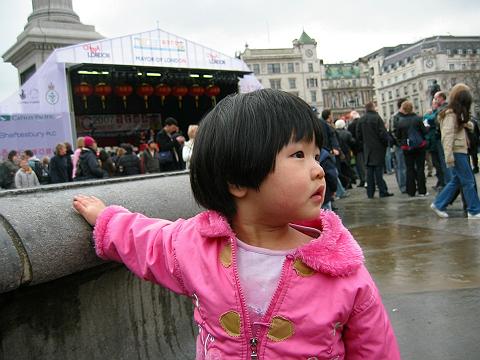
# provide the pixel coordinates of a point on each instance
(427, 269)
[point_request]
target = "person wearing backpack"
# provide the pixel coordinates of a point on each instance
(410, 133)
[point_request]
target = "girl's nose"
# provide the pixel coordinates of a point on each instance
(318, 171)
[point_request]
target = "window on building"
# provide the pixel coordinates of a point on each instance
(404, 76)
(390, 97)
(469, 51)
(292, 83)
(384, 110)
(397, 92)
(414, 87)
(389, 81)
(451, 66)
(310, 67)
(416, 105)
(297, 67)
(391, 109)
(473, 66)
(460, 51)
(312, 82)
(383, 96)
(313, 95)
(381, 83)
(449, 52)
(453, 82)
(256, 69)
(396, 78)
(290, 68)
(273, 68)
(405, 90)
(478, 51)
(464, 66)
(412, 72)
(354, 83)
(276, 83)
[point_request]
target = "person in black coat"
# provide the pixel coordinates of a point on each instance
(357, 149)
(59, 169)
(170, 147)
(129, 164)
(414, 157)
(371, 132)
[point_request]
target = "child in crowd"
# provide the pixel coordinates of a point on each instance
(271, 274)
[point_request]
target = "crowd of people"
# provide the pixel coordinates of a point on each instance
(167, 150)
(365, 148)
(357, 151)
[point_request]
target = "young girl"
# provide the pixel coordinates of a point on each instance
(271, 275)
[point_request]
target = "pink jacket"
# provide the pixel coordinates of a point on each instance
(325, 307)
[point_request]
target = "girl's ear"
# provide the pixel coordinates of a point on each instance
(237, 191)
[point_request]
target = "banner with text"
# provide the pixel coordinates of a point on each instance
(110, 125)
(37, 132)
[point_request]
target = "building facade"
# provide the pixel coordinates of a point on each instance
(384, 76)
(411, 70)
(346, 87)
(295, 70)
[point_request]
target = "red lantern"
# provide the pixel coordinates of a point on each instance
(213, 91)
(145, 90)
(124, 91)
(103, 90)
(84, 90)
(162, 90)
(180, 92)
(196, 91)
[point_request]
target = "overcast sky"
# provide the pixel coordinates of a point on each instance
(344, 30)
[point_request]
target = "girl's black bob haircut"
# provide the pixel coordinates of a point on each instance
(238, 141)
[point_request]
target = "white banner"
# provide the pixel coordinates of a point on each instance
(37, 116)
(37, 132)
(151, 48)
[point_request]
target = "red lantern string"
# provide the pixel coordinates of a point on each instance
(84, 90)
(145, 90)
(196, 91)
(180, 92)
(103, 90)
(213, 91)
(162, 90)
(124, 91)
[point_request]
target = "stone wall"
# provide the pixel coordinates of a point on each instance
(59, 301)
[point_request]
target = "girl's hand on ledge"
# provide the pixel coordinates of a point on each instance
(89, 207)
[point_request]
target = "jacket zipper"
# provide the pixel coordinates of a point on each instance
(254, 342)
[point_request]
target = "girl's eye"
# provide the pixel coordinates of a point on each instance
(317, 158)
(299, 155)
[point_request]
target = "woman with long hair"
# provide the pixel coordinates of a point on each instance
(454, 124)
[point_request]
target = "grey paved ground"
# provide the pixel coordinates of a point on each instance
(427, 268)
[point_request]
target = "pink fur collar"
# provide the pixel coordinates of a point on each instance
(335, 252)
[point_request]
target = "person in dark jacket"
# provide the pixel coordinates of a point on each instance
(58, 167)
(8, 169)
(371, 132)
(473, 143)
(169, 146)
(414, 157)
(129, 164)
(150, 158)
(88, 166)
(357, 149)
(346, 142)
(107, 163)
(331, 178)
